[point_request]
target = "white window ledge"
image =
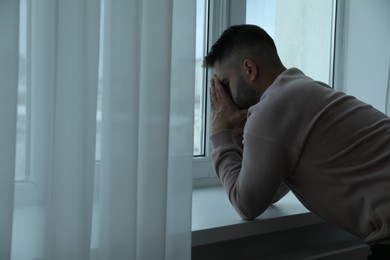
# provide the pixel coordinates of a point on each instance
(215, 220)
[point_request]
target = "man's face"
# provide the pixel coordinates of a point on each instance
(241, 91)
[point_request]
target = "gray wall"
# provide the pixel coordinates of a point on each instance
(364, 63)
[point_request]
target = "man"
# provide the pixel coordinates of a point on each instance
(275, 129)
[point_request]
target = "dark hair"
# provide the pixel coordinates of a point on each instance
(237, 38)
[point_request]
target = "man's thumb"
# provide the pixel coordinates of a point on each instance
(243, 113)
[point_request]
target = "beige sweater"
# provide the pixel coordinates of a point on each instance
(330, 149)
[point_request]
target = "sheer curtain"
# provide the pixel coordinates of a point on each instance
(136, 204)
(158, 114)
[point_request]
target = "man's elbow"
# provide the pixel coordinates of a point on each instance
(246, 208)
(247, 213)
(248, 216)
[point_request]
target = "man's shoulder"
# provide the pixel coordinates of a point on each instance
(292, 97)
(292, 86)
(292, 80)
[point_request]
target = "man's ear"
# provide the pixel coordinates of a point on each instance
(250, 69)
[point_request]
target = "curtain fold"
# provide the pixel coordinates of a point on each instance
(138, 205)
(179, 197)
(147, 112)
(70, 181)
(155, 79)
(120, 109)
(9, 54)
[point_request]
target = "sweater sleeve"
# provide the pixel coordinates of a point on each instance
(251, 177)
(282, 191)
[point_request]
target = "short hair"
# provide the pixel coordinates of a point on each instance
(239, 38)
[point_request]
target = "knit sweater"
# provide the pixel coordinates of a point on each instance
(332, 151)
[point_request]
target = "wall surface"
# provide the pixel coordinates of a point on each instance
(367, 51)
(303, 36)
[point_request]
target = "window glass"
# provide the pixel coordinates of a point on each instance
(22, 119)
(200, 97)
(302, 31)
(100, 85)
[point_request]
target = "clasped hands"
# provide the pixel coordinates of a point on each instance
(224, 112)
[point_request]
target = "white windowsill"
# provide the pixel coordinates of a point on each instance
(215, 220)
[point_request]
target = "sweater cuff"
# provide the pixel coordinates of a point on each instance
(221, 138)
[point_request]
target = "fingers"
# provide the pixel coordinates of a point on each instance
(240, 116)
(218, 91)
(215, 91)
(212, 93)
(224, 113)
(243, 113)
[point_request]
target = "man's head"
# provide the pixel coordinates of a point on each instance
(246, 62)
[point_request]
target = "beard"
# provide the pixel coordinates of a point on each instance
(246, 94)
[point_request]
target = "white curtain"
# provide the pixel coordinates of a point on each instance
(135, 202)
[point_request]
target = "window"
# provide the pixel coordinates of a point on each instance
(303, 32)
